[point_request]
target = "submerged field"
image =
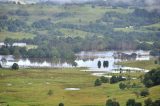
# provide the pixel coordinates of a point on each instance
(29, 87)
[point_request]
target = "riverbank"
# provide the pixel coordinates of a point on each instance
(144, 64)
(31, 86)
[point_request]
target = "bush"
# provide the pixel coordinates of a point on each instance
(113, 79)
(111, 102)
(104, 79)
(148, 102)
(15, 66)
(97, 82)
(130, 102)
(122, 86)
(144, 92)
(61, 104)
(138, 104)
(50, 92)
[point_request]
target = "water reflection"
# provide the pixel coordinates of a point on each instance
(84, 59)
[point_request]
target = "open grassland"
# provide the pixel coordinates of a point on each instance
(141, 64)
(29, 87)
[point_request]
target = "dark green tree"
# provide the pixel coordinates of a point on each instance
(0, 65)
(15, 66)
(99, 64)
(105, 64)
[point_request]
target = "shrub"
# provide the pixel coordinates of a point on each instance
(104, 79)
(144, 92)
(138, 104)
(111, 102)
(130, 102)
(122, 86)
(113, 79)
(148, 102)
(50, 92)
(61, 104)
(97, 82)
(15, 66)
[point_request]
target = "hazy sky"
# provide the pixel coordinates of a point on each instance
(152, 4)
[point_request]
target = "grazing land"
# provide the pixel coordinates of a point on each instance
(30, 87)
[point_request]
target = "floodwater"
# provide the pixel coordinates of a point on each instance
(84, 59)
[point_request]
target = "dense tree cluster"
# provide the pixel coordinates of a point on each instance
(152, 78)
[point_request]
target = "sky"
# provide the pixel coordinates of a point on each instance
(151, 4)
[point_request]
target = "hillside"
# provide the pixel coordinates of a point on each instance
(81, 27)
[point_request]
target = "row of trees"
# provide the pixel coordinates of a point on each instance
(132, 102)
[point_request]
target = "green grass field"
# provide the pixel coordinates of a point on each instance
(141, 64)
(29, 87)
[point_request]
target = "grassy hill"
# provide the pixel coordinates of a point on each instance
(63, 14)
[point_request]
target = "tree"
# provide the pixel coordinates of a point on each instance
(105, 64)
(122, 86)
(16, 52)
(97, 82)
(104, 79)
(61, 104)
(130, 102)
(8, 42)
(99, 64)
(0, 65)
(15, 66)
(74, 64)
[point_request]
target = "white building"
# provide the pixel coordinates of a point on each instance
(15, 44)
